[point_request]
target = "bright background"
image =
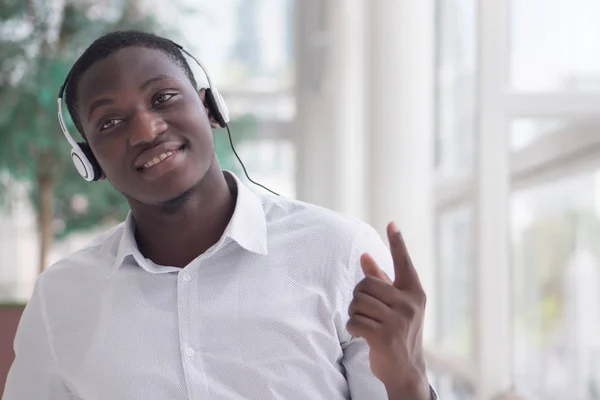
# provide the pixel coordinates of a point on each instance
(473, 123)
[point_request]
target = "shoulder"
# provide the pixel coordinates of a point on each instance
(88, 262)
(280, 210)
(316, 225)
(67, 290)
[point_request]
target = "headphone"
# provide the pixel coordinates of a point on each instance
(83, 158)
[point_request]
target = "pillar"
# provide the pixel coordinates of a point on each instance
(400, 126)
(329, 129)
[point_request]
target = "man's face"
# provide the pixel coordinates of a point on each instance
(146, 124)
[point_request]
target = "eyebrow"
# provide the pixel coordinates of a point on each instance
(98, 103)
(106, 101)
(153, 80)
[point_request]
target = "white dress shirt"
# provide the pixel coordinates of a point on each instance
(260, 315)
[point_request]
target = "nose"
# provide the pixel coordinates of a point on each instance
(145, 127)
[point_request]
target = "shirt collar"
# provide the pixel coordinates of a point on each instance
(247, 227)
(248, 224)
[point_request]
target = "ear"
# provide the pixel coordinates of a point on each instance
(213, 122)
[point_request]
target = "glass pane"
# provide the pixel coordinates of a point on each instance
(456, 282)
(448, 388)
(455, 71)
(555, 45)
(556, 289)
(270, 162)
(245, 43)
(18, 243)
(525, 131)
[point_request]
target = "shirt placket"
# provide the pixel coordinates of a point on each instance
(188, 312)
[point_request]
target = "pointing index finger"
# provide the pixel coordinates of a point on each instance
(406, 276)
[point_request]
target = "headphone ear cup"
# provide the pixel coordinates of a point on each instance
(92, 163)
(213, 108)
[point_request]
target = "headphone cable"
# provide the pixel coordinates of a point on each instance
(242, 164)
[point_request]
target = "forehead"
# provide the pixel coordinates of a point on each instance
(126, 69)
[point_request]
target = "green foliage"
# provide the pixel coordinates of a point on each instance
(29, 132)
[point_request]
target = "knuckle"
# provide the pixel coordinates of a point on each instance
(370, 281)
(352, 306)
(410, 310)
(351, 322)
(357, 289)
(361, 297)
(365, 285)
(402, 304)
(354, 327)
(421, 299)
(351, 326)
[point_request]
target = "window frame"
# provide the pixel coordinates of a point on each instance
(496, 174)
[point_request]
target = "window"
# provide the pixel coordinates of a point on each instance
(456, 86)
(525, 274)
(456, 130)
(18, 245)
(271, 163)
(525, 131)
(556, 288)
(456, 280)
(555, 45)
(451, 389)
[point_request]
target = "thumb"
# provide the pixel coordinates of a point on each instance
(370, 268)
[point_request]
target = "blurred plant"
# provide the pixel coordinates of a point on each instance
(39, 41)
(541, 259)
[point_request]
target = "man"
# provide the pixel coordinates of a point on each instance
(207, 290)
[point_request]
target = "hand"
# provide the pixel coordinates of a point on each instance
(389, 316)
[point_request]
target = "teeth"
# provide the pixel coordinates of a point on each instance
(158, 159)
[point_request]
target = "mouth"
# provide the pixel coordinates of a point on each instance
(159, 159)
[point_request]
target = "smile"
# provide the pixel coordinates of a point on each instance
(158, 159)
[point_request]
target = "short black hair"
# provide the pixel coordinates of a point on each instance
(109, 44)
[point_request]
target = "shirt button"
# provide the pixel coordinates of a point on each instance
(187, 277)
(189, 352)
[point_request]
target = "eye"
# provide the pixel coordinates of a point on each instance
(161, 98)
(109, 123)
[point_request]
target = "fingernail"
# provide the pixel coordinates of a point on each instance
(394, 227)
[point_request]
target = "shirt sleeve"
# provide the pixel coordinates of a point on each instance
(363, 385)
(34, 373)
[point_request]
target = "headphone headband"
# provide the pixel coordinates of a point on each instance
(83, 158)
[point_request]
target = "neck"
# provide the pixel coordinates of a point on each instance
(176, 233)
